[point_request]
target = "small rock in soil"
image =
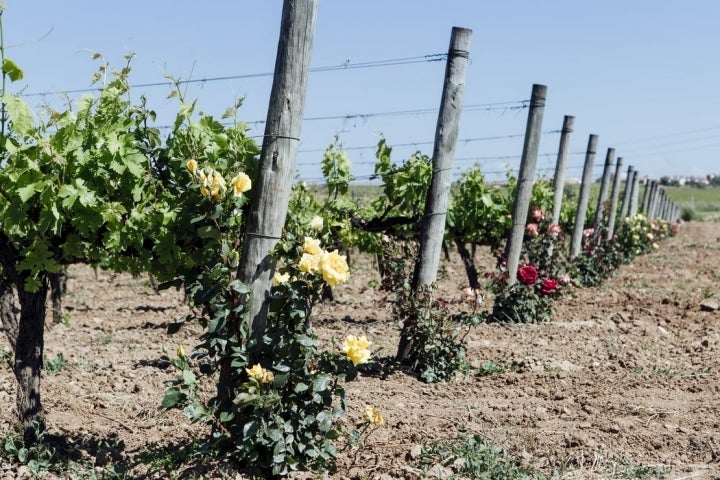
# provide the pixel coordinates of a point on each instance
(709, 305)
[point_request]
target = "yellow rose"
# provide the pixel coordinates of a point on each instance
(280, 278)
(192, 165)
(218, 186)
(181, 352)
(356, 349)
(655, 246)
(373, 416)
(260, 374)
(241, 183)
(309, 263)
(334, 268)
(650, 236)
(312, 246)
(316, 223)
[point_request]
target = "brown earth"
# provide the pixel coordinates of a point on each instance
(627, 375)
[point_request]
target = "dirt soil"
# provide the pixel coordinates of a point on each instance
(627, 375)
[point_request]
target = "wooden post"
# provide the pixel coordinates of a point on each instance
(614, 200)
(432, 229)
(581, 212)
(559, 179)
(646, 197)
(652, 200)
(272, 187)
(446, 132)
(526, 178)
(634, 194)
(602, 196)
(626, 194)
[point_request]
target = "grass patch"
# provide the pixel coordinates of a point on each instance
(55, 365)
(642, 472)
(704, 203)
(492, 367)
(472, 457)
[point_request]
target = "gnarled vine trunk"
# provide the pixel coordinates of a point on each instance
(26, 333)
(58, 287)
(29, 361)
(9, 313)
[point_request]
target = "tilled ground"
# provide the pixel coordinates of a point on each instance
(626, 376)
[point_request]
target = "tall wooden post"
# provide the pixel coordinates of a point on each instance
(581, 212)
(446, 132)
(634, 194)
(559, 178)
(602, 195)
(652, 199)
(614, 200)
(526, 178)
(626, 194)
(646, 197)
(432, 229)
(273, 184)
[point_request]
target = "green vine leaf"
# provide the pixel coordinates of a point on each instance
(11, 69)
(19, 114)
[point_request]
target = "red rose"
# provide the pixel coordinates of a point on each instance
(548, 286)
(527, 275)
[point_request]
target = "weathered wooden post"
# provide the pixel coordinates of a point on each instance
(581, 212)
(602, 195)
(634, 194)
(526, 178)
(626, 194)
(646, 196)
(446, 132)
(273, 184)
(433, 226)
(559, 178)
(614, 200)
(652, 200)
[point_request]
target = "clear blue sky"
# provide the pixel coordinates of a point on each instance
(642, 75)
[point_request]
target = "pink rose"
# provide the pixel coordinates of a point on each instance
(527, 275)
(588, 232)
(554, 230)
(531, 229)
(538, 215)
(565, 279)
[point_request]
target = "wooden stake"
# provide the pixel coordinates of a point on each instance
(273, 185)
(446, 132)
(559, 179)
(526, 178)
(602, 196)
(614, 200)
(581, 212)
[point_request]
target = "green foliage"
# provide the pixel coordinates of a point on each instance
(278, 405)
(478, 213)
(520, 303)
(404, 187)
(39, 457)
(491, 367)
(438, 340)
(641, 472)
(55, 365)
(687, 214)
(474, 457)
(336, 170)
